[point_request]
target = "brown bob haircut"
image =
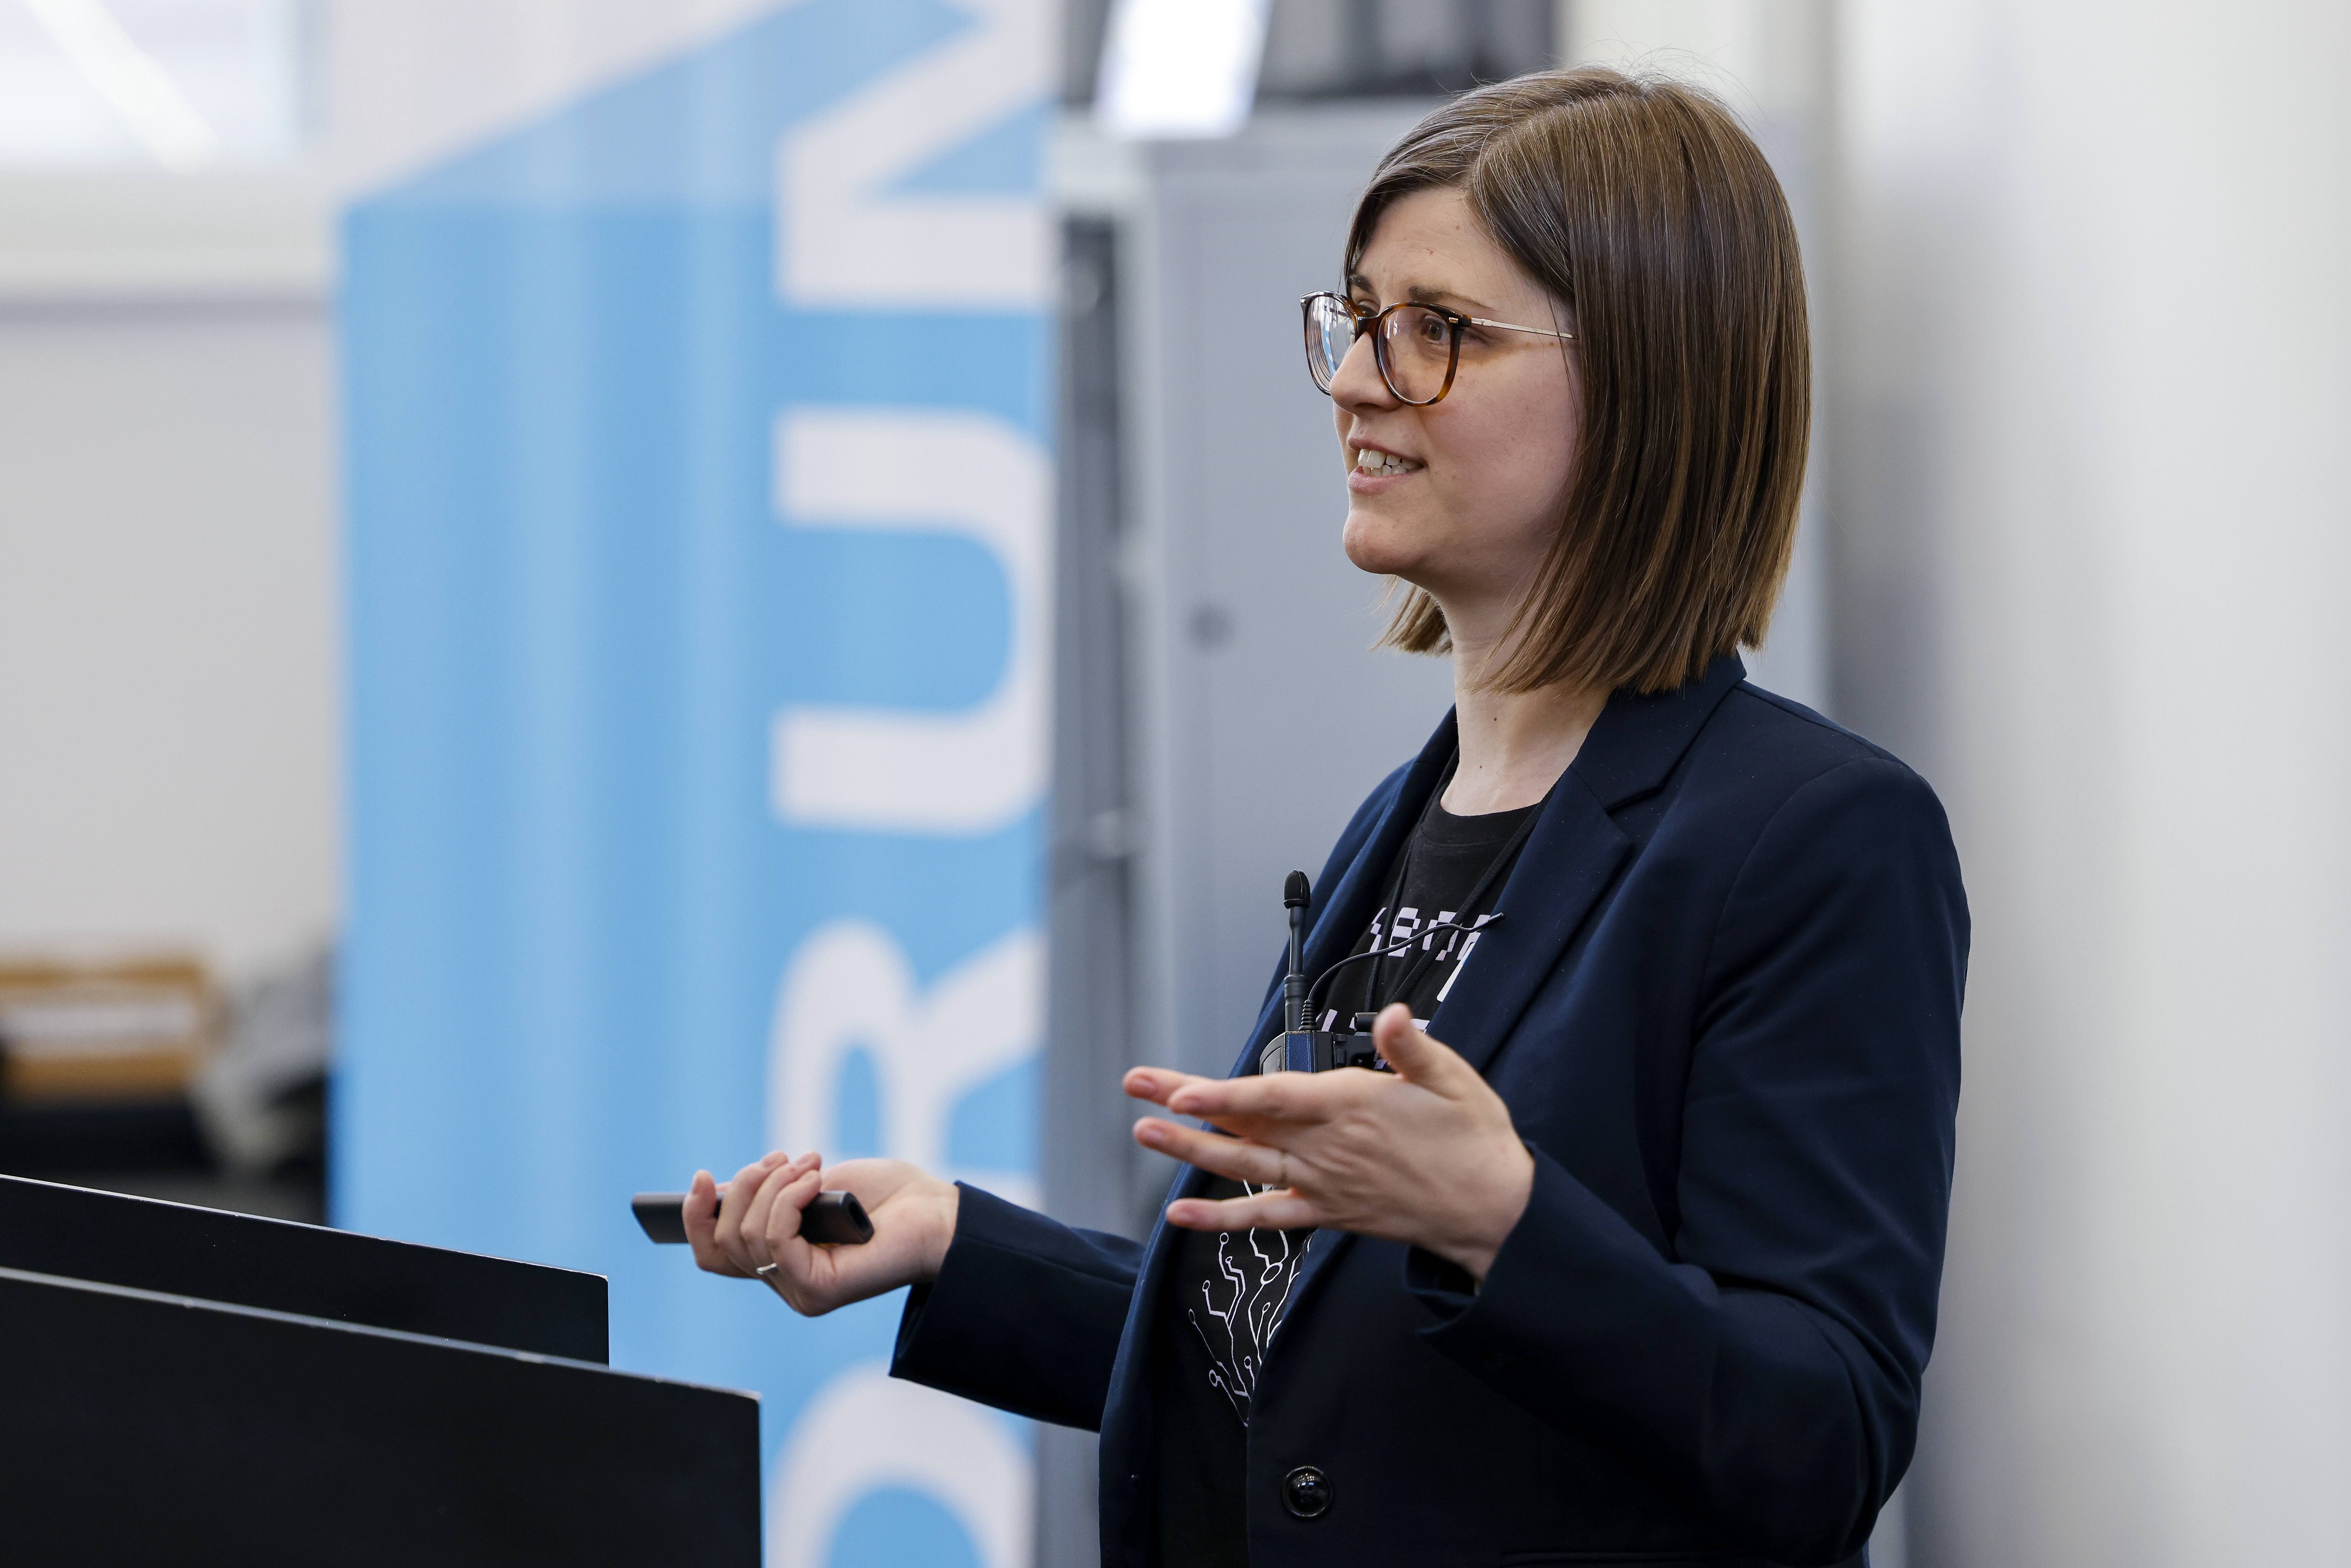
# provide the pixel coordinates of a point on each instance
(1643, 207)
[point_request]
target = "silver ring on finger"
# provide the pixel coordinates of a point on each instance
(767, 1269)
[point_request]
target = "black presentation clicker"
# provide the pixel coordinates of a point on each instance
(831, 1220)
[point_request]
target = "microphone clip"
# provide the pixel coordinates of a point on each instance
(1301, 1048)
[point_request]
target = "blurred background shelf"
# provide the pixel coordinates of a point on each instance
(138, 1073)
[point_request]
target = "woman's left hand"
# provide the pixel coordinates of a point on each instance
(1426, 1155)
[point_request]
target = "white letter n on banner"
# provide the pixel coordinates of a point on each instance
(888, 769)
(850, 242)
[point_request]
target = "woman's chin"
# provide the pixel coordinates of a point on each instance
(1372, 545)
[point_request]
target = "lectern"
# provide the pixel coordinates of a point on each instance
(183, 1385)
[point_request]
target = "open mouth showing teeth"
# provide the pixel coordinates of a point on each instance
(1369, 460)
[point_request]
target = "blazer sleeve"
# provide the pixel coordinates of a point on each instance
(1772, 1361)
(1025, 1315)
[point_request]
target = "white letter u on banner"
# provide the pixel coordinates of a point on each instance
(889, 770)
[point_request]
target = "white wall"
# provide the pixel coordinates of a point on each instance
(2094, 530)
(168, 630)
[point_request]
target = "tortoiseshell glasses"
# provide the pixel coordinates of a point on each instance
(1417, 347)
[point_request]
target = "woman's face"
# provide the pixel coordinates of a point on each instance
(1464, 495)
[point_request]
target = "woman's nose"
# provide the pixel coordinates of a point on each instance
(1358, 382)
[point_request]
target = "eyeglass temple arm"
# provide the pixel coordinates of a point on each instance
(1507, 326)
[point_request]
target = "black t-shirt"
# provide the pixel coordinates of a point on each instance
(1225, 1294)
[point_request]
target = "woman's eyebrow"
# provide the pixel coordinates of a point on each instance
(1444, 297)
(1419, 293)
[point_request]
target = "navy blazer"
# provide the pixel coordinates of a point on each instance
(1724, 1011)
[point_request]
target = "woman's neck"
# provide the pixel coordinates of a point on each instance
(1514, 745)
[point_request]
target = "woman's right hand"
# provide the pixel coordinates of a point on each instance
(913, 1217)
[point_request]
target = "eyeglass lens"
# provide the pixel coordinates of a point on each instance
(1414, 347)
(1330, 333)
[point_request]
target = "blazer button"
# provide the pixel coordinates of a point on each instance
(1306, 1492)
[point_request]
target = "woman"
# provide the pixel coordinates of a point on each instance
(1632, 1256)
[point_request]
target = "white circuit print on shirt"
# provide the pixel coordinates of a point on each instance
(1257, 1274)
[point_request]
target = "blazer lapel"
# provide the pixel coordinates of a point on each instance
(1574, 854)
(1341, 910)
(1570, 858)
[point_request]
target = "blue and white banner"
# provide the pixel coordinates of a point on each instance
(699, 568)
